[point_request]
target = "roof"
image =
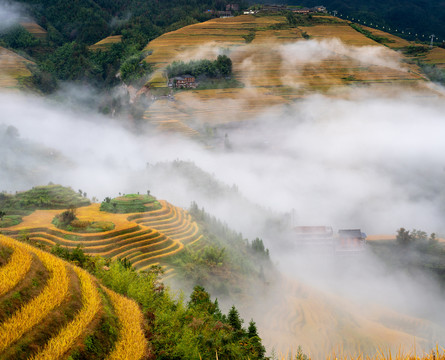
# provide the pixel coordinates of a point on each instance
(310, 230)
(351, 233)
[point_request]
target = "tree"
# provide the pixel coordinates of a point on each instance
(2, 214)
(291, 19)
(403, 237)
(224, 65)
(234, 319)
(252, 330)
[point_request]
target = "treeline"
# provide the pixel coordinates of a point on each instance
(175, 328)
(415, 252)
(221, 67)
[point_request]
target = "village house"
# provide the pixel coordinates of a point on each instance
(315, 238)
(183, 82)
(350, 240)
(302, 11)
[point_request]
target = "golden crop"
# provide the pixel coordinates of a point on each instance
(35, 311)
(17, 267)
(138, 237)
(64, 340)
(131, 344)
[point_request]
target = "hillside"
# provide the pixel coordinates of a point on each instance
(14, 70)
(201, 250)
(277, 66)
(51, 309)
(142, 238)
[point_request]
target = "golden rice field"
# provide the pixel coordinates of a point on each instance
(142, 238)
(35, 29)
(269, 77)
(437, 57)
(49, 325)
(395, 41)
(325, 324)
(106, 43)
(13, 68)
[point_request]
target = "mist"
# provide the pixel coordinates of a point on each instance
(11, 13)
(372, 159)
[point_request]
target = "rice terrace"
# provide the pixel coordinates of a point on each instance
(256, 180)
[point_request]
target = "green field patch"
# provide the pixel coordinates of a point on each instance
(47, 197)
(132, 203)
(10, 220)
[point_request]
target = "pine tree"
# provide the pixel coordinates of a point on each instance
(234, 319)
(252, 330)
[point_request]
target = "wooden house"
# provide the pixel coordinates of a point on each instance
(318, 238)
(183, 82)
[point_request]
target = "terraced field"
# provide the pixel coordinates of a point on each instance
(142, 238)
(106, 43)
(49, 308)
(273, 67)
(325, 324)
(35, 29)
(13, 68)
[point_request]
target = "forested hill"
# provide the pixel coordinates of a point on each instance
(69, 28)
(91, 20)
(421, 17)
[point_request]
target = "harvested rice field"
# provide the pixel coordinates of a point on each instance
(325, 324)
(271, 67)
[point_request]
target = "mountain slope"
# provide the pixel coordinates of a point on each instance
(277, 66)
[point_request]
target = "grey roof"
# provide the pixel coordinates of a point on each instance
(351, 233)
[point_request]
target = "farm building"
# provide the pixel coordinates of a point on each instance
(315, 237)
(302, 11)
(320, 8)
(352, 240)
(183, 82)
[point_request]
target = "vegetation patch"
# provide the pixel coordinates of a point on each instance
(69, 222)
(100, 342)
(5, 253)
(131, 203)
(48, 197)
(368, 34)
(208, 84)
(415, 50)
(10, 220)
(222, 260)
(221, 67)
(250, 36)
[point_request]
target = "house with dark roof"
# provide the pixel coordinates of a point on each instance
(350, 240)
